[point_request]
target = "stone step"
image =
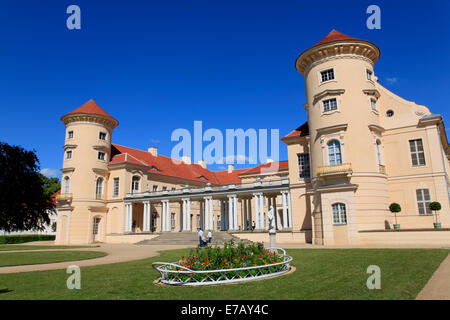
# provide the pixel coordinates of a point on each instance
(189, 238)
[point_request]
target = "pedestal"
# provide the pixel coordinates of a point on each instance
(272, 238)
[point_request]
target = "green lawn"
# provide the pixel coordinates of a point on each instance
(25, 258)
(320, 274)
(14, 247)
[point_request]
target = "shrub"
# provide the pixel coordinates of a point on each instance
(435, 206)
(14, 239)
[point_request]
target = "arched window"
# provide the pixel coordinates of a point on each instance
(99, 187)
(339, 213)
(135, 184)
(66, 184)
(334, 152)
(379, 152)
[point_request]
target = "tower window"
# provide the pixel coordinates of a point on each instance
(303, 165)
(417, 153)
(101, 156)
(69, 155)
(369, 75)
(66, 185)
(389, 113)
(327, 75)
(334, 152)
(373, 104)
(102, 136)
(423, 201)
(70, 135)
(329, 105)
(116, 187)
(99, 188)
(339, 213)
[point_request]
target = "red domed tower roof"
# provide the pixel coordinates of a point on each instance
(334, 35)
(90, 107)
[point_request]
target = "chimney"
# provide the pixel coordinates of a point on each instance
(153, 151)
(230, 168)
(202, 163)
(269, 160)
(186, 159)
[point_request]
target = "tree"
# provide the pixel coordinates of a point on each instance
(23, 201)
(395, 208)
(435, 206)
(51, 185)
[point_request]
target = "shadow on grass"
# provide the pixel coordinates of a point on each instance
(4, 290)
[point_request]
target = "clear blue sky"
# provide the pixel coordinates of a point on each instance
(227, 63)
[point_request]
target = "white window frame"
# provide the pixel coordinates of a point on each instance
(334, 153)
(369, 75)
(339, 212)
(326, 72)
(102, 134)
(172, 221)
(373, 105)
(70, 134)
(304, 167)
(116, 187)
(99, 186)
(329, 101)
(415, 154)
(422, 203)
(69, 154)
(135, 180)
(101, 156)
(66, 184)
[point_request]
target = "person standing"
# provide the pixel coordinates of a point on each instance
(209, 236)
(253, 225)
(200, 236)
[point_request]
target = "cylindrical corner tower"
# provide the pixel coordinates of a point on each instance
(87, 151)
(347, 165)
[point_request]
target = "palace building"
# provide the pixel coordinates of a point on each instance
(361, 149)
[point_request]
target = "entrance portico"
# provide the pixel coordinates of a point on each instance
(237, 206)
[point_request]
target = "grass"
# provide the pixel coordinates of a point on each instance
(320, 274)
(26, 258)
(14, 247)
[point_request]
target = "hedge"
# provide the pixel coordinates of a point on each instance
(25, 238)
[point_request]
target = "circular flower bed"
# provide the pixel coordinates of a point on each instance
(232, 263)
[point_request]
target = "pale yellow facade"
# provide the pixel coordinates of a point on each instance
(358, 141)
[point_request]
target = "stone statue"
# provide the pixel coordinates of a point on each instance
(271, 218)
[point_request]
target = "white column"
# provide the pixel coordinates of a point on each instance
(261, 211)
(127, 217)
(235, 213)
(285, 222)
(169, 221)
(288, 195)
(184, 214)
(211, 213)
(146, 216)
(163, 215)
(230, 213)
(206, 213)
(256, 217)
(188, 214)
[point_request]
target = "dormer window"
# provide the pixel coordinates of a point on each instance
(327, 75)
(153, 168)
(102, 136)
(203, 178)
(329, 105)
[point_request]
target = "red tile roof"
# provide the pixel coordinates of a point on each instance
(267, 167)
(166, 166)
(91, 107)
(301, 131)
(53, 196)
